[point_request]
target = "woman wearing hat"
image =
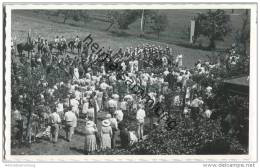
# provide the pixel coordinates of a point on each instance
(114, 126)
(106, 134)
(88, 109)
(90, 137)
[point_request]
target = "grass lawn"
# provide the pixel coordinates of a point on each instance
(177, 30)
(21, 23)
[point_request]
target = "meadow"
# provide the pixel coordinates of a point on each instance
(177, 31)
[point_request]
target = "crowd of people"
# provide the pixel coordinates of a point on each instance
(110, 108)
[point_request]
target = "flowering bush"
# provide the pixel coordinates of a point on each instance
(186, 138)
(202, 136)
(29, 83)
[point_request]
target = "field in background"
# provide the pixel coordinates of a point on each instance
(177, 31)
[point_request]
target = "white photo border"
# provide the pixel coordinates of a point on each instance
(253, 145)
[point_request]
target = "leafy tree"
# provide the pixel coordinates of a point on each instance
(242, 43)
(159, 22)
(242, 36)
(27, 87)
(124, 17)
(25, 90)
(214, 25)
(76, 15)
(65, 13)
(146, 19)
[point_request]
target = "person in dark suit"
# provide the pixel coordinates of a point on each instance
(124, 135)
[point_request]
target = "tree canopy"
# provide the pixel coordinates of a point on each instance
(159, 22)
(124, 18)
(214, 25)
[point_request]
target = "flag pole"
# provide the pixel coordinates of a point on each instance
(142, 24)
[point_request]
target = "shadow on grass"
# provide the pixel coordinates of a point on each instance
(120, 33)
(73, 24)
(188, 45)
(63, 137)
(79, 132)
(81, 151)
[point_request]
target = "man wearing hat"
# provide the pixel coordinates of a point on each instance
(70, 123)
(123, 105)
(112, 104)
(54, 123)
(195, 106)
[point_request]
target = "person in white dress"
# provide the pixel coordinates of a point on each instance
(140, 116)
(119, 115)
(180, 57)
(74, 103)
(123, 66)
(131, 65)
(57, 40)
(164, 61)
(207, 112)
(135, 65)
(75, 74)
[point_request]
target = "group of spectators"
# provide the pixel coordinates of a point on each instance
(114, 115)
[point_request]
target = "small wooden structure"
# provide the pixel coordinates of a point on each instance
(238, 85)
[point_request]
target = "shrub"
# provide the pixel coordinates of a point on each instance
(202, 136)
(125, 17)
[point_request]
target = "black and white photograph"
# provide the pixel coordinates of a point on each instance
(130, 80)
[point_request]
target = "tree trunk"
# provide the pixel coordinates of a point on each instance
(29, 125)
(142, 24)
(65, 18)
(111, 24)
(184, 99)
(212, 44)
(95, 111)
(123, 27)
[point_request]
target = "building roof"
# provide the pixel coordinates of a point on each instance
(242, 81)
